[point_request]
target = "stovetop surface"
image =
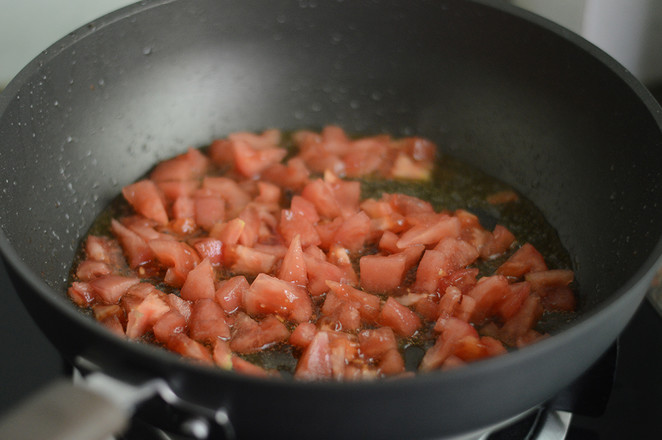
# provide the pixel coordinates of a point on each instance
(28, 361)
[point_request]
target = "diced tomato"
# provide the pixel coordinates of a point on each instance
(558, 298)
(179, 257)
(382, 273)
(522, 321)
(142, 318)
(236, 198)
(104, 311)
(499, 242)
(209, 248)
(374, 343)
(267, 139)
(100, 249)
(186, 166)
(110, 288)
(517, 293)
(293, 224)
(320, 272)
(147, 200)
(315, 362)
(448, 256)
(183, 207)
(501, 197)
(443, 226)
(174, 189)
(463, 279)
(320, 194)
(488, 293)
(303, 334)
(452, 330)
(400, 318)
(222, 354)
(89, 269)
(249, 336)
(207, 322)
(208, 211)
(243, 366)
(250, 162)
(168, 324)
(182, 306)
(367, 304)
(293, 176)
(293, 266)
(199, 282)
(525, 259)
(353, 232)
(187, 347)
(268, 295)
(346, 192)
(549, 278)
(136, 249)
(251, 261)
(392, 363)
(408, 205)
(230, 293)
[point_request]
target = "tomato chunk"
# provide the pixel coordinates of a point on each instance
(268, 295)
(402, 320)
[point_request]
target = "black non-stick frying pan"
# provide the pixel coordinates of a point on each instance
(522, 99)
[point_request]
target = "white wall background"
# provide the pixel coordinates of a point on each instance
(29, 26)
(629, 30)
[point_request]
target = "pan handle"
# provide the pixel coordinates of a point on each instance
(67, 411)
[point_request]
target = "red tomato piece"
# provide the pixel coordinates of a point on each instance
(443, 226)
(179, 257)
(315, 362)
(243, 366)
(168, 324)
(498, 243)
(400, 318)
(265, 140)
(147, 200)
(81, 293)
(293, 224)
(382, 273)
(199, 282)
(374, 343)
(320, 272)
(518, 292)
(488, 293)
(222, 354)
(268, 295)
(183, 207)
(525, 259)
(250, 162)
(236, 198)
(320, 194)
(187, 347)
(209, 248)
(141, 319)
(89, 269)
(353, 231)
(293, 176)
(367, 304)
(452, 330)
(558, 298)
(230, 293)
(100, 249)
(136, 249)
(110, 288)
(207, 322)
(448, 256)
(391, 363)
(249, 336)
(208, 210)
(303, 334)
(549, 278)
(252, 261)
(182, 306)
(521, 322)
(293, 266)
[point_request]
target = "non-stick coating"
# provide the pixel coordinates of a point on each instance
(520, 98)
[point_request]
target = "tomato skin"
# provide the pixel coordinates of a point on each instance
(110, 288)
(268, 295)
(199, 282)
(230, 293)
(315, 362)
(207, 322)
(402, 320)
(382, 273)
(525, 259)
(147, 200)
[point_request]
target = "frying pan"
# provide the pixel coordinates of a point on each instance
(520, 98)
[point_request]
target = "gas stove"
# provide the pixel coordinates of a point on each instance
(619, 398)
